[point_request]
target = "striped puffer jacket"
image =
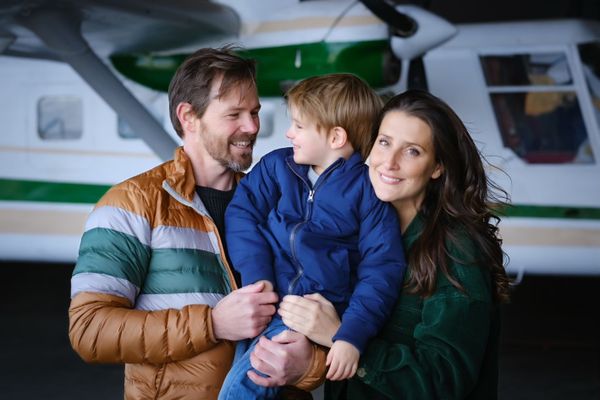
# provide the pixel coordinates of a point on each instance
(150, 268)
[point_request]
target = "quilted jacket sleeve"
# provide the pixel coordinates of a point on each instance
(255, 196)
(104, 328)
(379, 274)
(113, 261)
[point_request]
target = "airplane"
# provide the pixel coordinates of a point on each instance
(83, 104)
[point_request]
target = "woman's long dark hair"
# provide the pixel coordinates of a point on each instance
(461, 199)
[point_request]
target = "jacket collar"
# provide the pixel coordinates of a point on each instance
(413, 231)
(343, 164)
(180, 176)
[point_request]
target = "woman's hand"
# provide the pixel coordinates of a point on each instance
(312, 315)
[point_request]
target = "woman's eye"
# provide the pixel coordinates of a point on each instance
(412, 151)
(382, 142)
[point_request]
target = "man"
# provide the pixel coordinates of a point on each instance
(152, 287)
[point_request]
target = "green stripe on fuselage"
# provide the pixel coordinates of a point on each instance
(60, 192)
(531, 211)
(278, 66)
(53, 192)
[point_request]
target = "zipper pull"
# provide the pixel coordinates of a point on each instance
(311, 195)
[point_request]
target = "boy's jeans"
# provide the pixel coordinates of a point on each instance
(237, 385)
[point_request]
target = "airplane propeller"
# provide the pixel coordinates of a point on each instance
(413, 32)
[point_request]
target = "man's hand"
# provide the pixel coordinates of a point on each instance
(268, 286)
(342, 361)
(285, 359)
(243, 313)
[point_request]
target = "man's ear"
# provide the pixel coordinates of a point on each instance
(187, 116)
(337, 137)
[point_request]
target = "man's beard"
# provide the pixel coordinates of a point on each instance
(218, 149)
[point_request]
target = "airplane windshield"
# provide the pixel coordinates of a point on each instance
(536, 107)
(590, 63)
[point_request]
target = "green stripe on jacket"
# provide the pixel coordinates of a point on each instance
(113, 253)
(159, 271)
(185, 271)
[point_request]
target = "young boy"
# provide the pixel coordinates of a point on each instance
(306, 220)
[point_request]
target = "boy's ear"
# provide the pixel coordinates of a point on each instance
(337, 137)
(186, 116)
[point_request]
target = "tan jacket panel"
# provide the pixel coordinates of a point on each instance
(178, 362)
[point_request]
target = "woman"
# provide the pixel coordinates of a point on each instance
(442, 338)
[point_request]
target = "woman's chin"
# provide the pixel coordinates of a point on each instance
(385, 195)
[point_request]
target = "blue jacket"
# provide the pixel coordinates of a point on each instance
(337, 239)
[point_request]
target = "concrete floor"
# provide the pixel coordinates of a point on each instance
(550, 343)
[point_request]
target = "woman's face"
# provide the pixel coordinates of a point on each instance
(402, 160)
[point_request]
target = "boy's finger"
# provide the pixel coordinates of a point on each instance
(332, 370)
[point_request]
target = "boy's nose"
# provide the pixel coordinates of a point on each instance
(289, 134)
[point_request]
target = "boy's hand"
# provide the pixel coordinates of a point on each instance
(268, 286)
(342, 361)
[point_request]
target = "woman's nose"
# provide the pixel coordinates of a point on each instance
(391, 162)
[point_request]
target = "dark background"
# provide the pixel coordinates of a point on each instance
(550, 345)
(466, 11)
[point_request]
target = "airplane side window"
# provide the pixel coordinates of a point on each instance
(59, 118)
(536, 107)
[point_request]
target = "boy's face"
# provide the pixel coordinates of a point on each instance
(310, 144)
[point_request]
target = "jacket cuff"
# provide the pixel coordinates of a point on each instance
(315, 373)
(200, 315)
(253, 275)
(353, 332)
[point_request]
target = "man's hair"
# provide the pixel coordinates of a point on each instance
(342, 100)
(193, 80)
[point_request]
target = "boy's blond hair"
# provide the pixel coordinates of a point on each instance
(342, 100)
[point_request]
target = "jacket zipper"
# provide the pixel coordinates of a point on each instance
(309, 202)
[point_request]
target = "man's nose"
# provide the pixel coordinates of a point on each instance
(251, 124)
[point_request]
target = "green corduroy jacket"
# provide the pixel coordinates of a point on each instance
(441, 347)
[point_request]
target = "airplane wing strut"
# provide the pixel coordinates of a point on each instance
(60, 31)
